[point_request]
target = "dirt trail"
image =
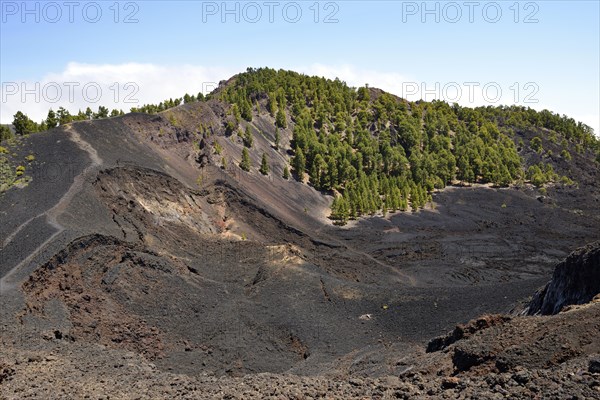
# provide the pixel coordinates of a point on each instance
(402, 277)
(53, 213)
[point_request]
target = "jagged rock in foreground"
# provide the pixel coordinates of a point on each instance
(525, 357)
(576, 280)
(491, 357)
(145, 268)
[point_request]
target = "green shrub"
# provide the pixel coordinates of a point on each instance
(217, 147)
(536, 144)
(245, 163)
(566, 155)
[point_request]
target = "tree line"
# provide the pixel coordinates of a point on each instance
(23, 125)
(378, 153)
(372, 151)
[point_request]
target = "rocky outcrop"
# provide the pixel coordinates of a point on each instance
(576, 280)
(463, 331)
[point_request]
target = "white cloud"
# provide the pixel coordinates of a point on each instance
(151, 83)
(388, 81)
(112, 85)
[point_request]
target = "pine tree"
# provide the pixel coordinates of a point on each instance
(299, 164)
(245, 163)
(248, 138)
(51, 120)
(272, 105)
(23, 125)
(340, 210)
(280, 119)
(286, 173)
(264, 165)
(277, 138)
(64, 116)
(246, 110)
(102, 113)
(235, 111)
(315, 171)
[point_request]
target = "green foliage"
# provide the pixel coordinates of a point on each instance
(188, 98)
(378, 153)
(272, 104)
(565, 180)
(23, 125)
(5, 133)
(541, 174)
(277, 138)
(384, 153)
(281, 119)
(30, 158)
(340, 210)
(248, 138)
(235, 112)
(528, 118)
(102, 113)
(156, 108)
(230, 127)
(217, 147)
(9, 175)
(245, 163)
(536, 144)
(299, 163)
(64, 116)
(246, 109)
(363, 94)
(51, 120)
(264, 165)
(286, 172)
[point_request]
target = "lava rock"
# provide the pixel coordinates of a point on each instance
(594, 366)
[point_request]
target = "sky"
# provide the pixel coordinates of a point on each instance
(122, 54)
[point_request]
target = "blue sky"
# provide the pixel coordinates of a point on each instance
(543, 54)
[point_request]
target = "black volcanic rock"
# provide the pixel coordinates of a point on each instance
(576, 280)
(594, 366)
(463, 331)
